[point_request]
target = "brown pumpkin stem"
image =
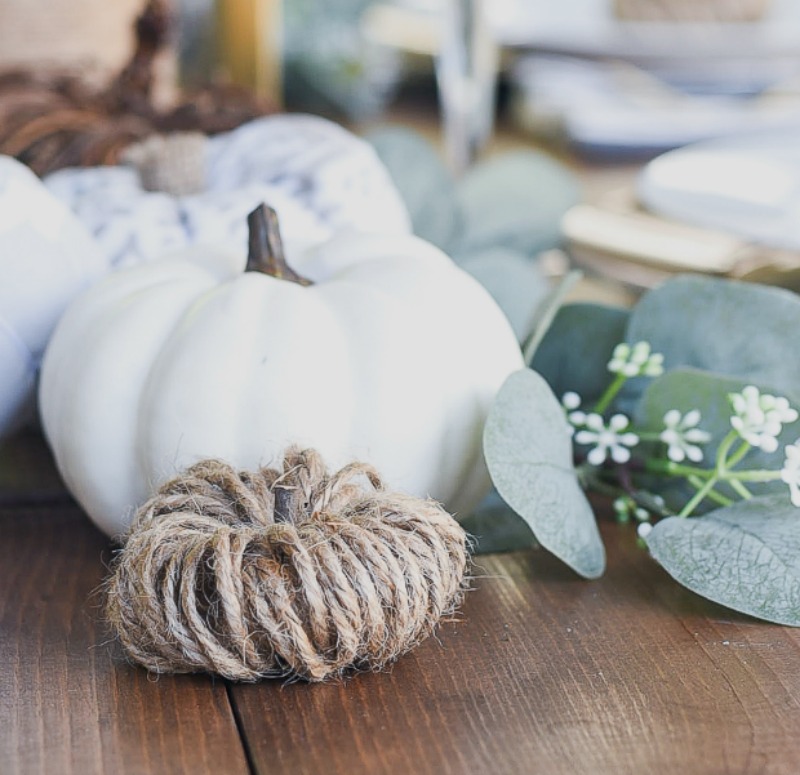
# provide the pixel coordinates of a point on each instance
(284, 503)
(265, 253)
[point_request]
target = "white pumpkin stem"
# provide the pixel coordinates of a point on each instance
(265, 252)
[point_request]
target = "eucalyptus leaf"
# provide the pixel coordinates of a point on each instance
(329, 65)
(515, 200)
(547, 311)
(528, 451)
(723, 326)
(745, 556)
(576, 349)
(516, 284)
(496, 528)
(423, 181)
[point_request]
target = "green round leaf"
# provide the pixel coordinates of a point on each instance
(496, 528)
(576, 349)
(528, 451)
(515, 200)
(745, 556)
(423, 181)
(516, 284)
(723, 326)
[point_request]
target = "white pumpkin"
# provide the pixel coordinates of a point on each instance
(319, 177)
(46, 257)
(393, 356)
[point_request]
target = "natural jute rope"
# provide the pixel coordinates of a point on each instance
(283, 572)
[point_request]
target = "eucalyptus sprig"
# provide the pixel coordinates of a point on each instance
(683, 410)
(757, 420)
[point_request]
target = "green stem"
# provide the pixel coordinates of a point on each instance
(740, 488)
(723, 449)
(754, 476)
(669, 468)
(713, 495)
(546, 313)
(737, 456)
(610, 393)
(646, 435)
(699, 496)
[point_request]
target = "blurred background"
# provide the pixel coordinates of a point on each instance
(624, 77)
(676, 119)
(609, 77)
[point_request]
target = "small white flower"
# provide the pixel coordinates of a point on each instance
(681, 435)
(758, 418)
(622, 505)
(636, 360)
(644, 529)
(571, 401)
(611, 439)
(790, 473)
(640, 353)
(654, 366)
(625, 507)
(619, 358)
(779, 410)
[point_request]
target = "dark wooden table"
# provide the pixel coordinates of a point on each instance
(540, 673)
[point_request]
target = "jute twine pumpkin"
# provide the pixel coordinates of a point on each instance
(289, 571)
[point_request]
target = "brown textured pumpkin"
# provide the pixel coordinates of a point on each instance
(55, 119)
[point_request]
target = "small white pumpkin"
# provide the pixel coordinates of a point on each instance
(393, 355)
(46, 257)
(319, 177)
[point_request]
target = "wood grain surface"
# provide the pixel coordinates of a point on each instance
(548, 674)
(540, 673)
(69, 704)
(28, 474)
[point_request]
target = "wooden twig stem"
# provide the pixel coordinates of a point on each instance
(265, 253)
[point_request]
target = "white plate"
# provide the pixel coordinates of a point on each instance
(748, 186)
(589, 28)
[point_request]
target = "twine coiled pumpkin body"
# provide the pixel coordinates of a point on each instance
(288, 571)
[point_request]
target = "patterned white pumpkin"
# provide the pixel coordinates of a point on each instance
(46, 257)
(319, 177)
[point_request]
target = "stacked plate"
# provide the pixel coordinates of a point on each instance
(728, 207)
